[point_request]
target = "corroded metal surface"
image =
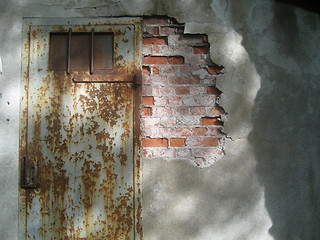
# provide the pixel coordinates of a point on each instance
(82, 136)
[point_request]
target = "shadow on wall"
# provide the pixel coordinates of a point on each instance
(286, 135)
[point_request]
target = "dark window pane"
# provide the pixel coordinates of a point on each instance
(58, 51)
(80, 51)
(103, 51)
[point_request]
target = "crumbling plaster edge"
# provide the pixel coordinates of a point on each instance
(240, 81)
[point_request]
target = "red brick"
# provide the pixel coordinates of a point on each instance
(215, 111)
(208, 121)
(177, 142)
(146, 111)
(146, 70)
(163, 60)
(147, 100)
(197, 110)
(156, 31)
(214, 70)
(213, 90)
(183, 80)
(214, 131)
(181, 111)
(154, 142)
(155, 40)
(155, 60)
(155, 70)
(177, 60)
(199, 131)
(182, 90)
(201, 50)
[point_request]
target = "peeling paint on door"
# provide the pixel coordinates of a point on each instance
(79, 144)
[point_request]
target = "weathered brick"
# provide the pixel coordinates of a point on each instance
(184, 49)
(197, 90)
(214, 70)
(147, 111)
(162, 111)
(183, 80)
(175, 100)
(181, 111)
(148, 100)
(146, 70)
(146, 79)
(187, 121)
(167, 121)
(197, 60)
(198, 100)
(183, 153)
(149, 31)
(186, 39)
(209, 121)
(146, 50)
(162, 90)
(167, 30)
(215, 111)
(155, 60)
(155, 40)
(201, 50)
(155, 31)
(155, 80)
(187, 69)
(170, 69)
(160, 101)
(155, 70)
(176, 60)
(214, 131)
(202, 142)
(177, 142)
(146, 90)
(147, 153)
(199, 131)
(162, 152)
(197, 110)
(182, 90)
(213, 90)
(154, 142)
(150, 122)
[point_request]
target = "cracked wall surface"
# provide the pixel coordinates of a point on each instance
(267, 185)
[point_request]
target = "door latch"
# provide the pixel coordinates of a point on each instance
(29, 172)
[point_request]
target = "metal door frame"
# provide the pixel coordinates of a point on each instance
(25, 56)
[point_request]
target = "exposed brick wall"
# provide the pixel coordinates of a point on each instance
(181, 118)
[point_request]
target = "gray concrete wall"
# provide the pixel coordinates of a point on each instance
(267, 186)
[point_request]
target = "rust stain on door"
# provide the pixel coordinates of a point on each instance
(82, 138)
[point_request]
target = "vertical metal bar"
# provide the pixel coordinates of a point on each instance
(91, 55)
(69, 52)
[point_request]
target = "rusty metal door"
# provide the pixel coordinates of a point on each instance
(78, 147)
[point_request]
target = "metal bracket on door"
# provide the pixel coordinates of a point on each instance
(29, 172)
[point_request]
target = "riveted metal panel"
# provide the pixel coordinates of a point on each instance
(83, 138)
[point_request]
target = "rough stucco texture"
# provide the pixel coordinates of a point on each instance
(267, 185)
